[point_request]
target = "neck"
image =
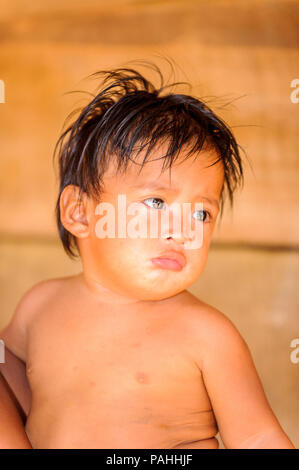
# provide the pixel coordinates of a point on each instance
(106, 295)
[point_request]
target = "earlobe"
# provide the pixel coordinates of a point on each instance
(74, 211)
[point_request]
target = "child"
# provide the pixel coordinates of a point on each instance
(122, 355)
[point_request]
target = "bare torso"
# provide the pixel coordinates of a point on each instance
(114, 377)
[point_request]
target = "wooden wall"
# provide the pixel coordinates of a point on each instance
(242, 53)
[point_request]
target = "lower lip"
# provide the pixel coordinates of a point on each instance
(167, 263)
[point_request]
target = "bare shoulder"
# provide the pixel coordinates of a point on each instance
(211, 330)
(30, 302)
(14, 334)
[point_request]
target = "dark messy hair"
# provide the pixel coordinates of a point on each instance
(130, 114)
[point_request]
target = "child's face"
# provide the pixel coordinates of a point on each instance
(123, 266)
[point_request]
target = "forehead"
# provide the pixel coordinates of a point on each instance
(198, 170)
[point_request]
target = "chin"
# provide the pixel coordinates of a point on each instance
(155, 293)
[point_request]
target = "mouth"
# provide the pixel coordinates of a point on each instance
(172, 260)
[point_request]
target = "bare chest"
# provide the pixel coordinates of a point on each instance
(111, 385)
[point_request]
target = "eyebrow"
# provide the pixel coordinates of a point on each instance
(159, 187)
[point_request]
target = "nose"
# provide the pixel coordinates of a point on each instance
(176, 237)
(178, 229)
(178, 234)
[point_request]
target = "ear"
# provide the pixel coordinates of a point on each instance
(75, 214)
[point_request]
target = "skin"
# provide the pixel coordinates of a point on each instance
(12, 424)
(122, 355)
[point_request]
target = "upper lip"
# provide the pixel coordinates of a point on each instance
(175, 255)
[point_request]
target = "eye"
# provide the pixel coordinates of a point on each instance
(155, 202)
(198, 215)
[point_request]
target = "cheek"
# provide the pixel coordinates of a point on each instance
(124, 256)
(197, 260)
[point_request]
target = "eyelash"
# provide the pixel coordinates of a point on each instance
(160, 199)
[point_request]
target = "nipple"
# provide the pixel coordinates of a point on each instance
(141, 377)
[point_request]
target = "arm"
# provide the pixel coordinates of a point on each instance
(243, 414)
(15, 397)
(12, 432)
(14, 373)
(15, 392)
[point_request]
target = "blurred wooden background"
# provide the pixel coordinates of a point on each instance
(243, 53)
